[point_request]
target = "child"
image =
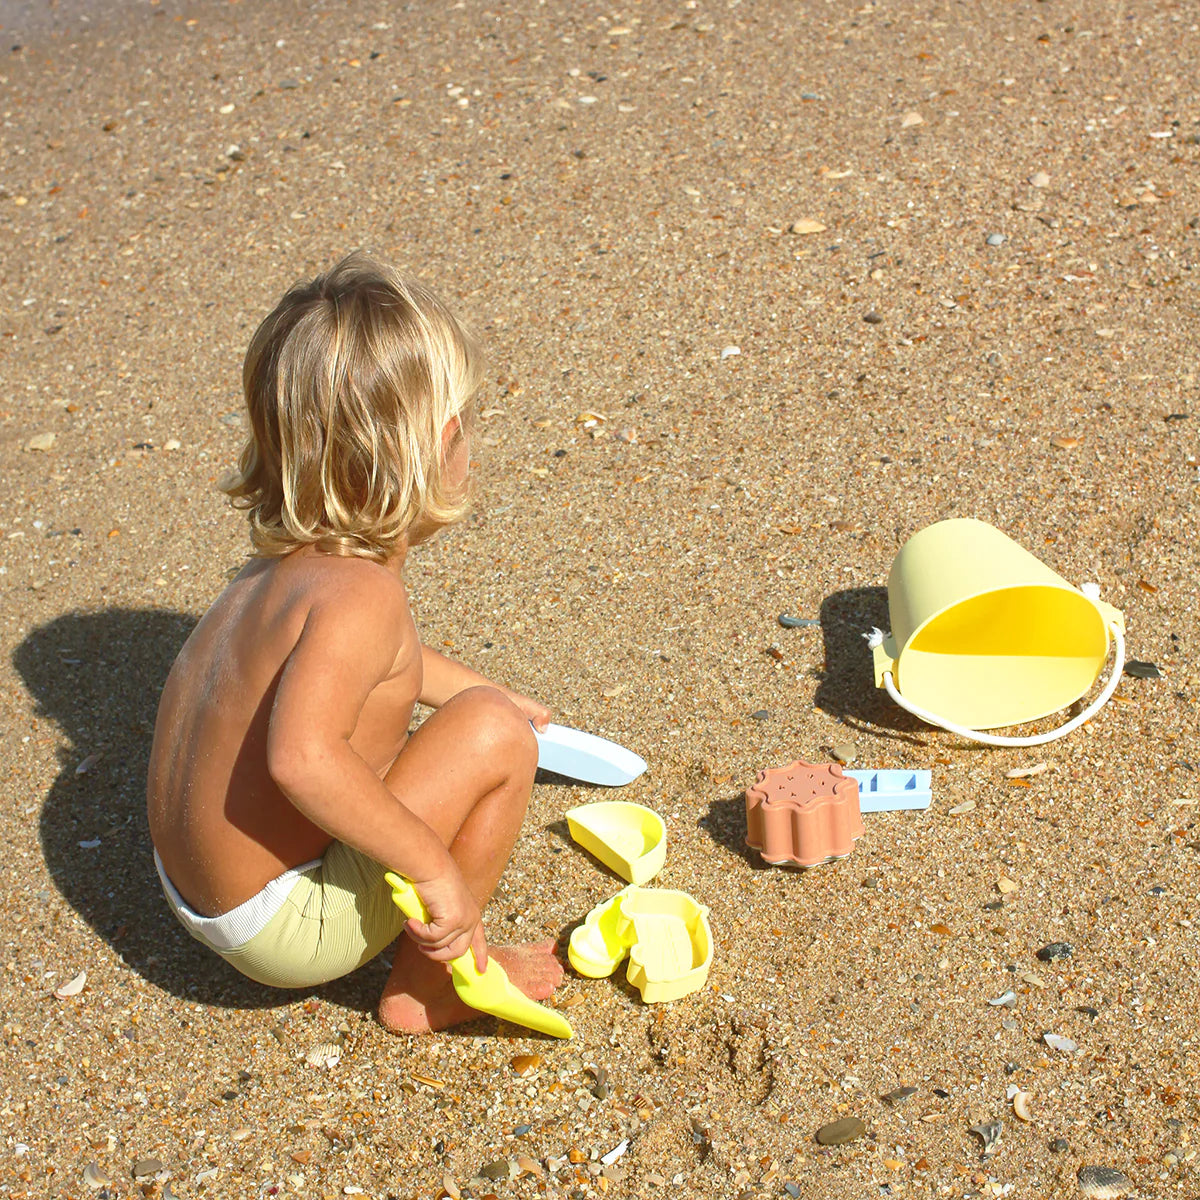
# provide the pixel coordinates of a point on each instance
(283, 780)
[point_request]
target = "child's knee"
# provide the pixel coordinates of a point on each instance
(499, 728)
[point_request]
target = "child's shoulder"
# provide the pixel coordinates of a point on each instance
(346, 581)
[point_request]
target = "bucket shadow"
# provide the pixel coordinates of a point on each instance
(847, 688)
(97, 676)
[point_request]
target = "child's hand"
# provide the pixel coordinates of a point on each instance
(454, 926)
(537, 713)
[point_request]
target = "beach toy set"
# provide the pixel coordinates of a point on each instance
(664, 934)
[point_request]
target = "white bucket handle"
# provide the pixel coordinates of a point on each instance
(1037, 739)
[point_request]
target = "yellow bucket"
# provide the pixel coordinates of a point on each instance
(984, 634)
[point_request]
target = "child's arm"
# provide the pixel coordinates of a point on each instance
(349, 644)
(446, 677)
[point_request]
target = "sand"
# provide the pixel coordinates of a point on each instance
(695, 420)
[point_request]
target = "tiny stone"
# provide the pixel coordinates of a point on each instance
(870, 882)
(838, 1133)
(40, 441)
(791, 1189)
(1039, 179)
(146, 1167)
(898, 1095)
(995, 239)
(873, 318)
(1011, 1068)
(521, 1130)
(1134, 667)
(1055, 950)
(1060, 1145)
(845, 752)
(994, 359)
(760, 715)
(499, 1169)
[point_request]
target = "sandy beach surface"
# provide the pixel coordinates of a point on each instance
(766, 287)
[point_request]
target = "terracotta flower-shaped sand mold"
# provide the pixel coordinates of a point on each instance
(803, 814)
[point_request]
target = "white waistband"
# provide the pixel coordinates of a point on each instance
(236, 927)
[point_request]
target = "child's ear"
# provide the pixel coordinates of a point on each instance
(451, 430)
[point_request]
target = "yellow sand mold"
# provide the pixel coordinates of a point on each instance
(664, 933)
(629, 839)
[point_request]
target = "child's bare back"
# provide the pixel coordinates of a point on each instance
(283, 779)
(219, 820)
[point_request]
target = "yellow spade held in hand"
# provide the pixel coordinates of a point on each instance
(490, 991)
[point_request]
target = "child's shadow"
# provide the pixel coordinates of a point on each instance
(97, 676)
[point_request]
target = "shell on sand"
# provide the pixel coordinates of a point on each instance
(325, 1054)
(989, 1133)
(1104, 1183)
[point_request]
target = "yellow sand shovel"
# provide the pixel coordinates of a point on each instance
(490, 991)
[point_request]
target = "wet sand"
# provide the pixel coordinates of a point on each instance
(695, 420)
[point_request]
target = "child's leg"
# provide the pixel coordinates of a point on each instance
(467, 773)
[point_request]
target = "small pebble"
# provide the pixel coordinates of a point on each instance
(499, 1169)
(870, 882)
(845, 752)
(1055, 951)
(965, 807)
(792, 1189)
(995, 239)
(1060, 1145)
(144, 1168)
(838, 1133)
(1134, 667)
(760, 715)
(898, 1095)
(1039, 179)
(873, 318)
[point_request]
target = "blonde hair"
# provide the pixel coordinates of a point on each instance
(349, 384)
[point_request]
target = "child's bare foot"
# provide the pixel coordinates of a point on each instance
(419, 995)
